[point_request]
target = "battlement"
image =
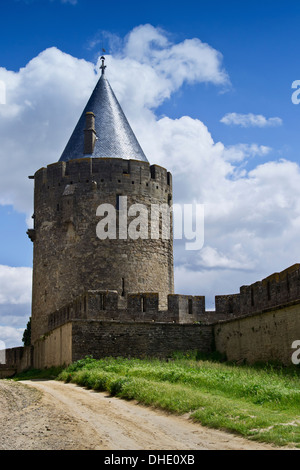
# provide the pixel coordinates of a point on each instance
(140, 307)
(272, 292)
(276, 291)
(102, 171)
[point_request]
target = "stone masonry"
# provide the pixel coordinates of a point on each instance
(70, 259)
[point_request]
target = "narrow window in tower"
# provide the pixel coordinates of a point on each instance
(123, 287)
(118, 202)
(57, 207)
(143, 304)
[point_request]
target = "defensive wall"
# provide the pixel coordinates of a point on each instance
(257, 325)
(141, 307)
(15, 360)
(260, 337)
(276, 290)
(79, 338)
(267, 319)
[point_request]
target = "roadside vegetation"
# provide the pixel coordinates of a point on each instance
(260, 402)
(40, 374)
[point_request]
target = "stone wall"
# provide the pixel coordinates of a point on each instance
(141, 307)
(275, 290)
(54, 348)
(102, 339)
(80, 338)
(260, 337)
(15, 360)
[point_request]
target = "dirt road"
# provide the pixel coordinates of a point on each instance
(50, 415)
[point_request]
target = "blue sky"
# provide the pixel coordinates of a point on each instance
(242, 125)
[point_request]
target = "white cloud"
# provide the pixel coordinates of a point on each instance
(15, 285)
(239, 152)
(250, 120)
(191, 60)
(252, 218)
(43, 101)
(10, 337)
(15, 303)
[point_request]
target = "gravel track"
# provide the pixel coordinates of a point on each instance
(52, 415)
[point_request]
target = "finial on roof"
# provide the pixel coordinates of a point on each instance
(103, 67)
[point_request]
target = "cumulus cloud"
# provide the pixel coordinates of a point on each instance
(240, 152)
(250, 120)
(15, 303)
(10, 338)
(15, 285)
(252, 218)
(43, 101)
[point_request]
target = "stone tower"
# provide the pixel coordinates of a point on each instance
(102, 163)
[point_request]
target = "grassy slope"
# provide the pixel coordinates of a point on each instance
(261, 403)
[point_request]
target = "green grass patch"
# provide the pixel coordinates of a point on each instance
(259, 402)
(31, 374)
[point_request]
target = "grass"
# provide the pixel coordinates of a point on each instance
(31, 374)
(260, 402)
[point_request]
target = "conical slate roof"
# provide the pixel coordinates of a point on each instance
(114, 136)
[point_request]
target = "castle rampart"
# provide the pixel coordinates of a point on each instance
(97, 323)
(274, 291)
(141, 307)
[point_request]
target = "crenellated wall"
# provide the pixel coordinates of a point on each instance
(259, 324)
(141, 307)
(276, 290)
(15, 360)
(262, 322)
